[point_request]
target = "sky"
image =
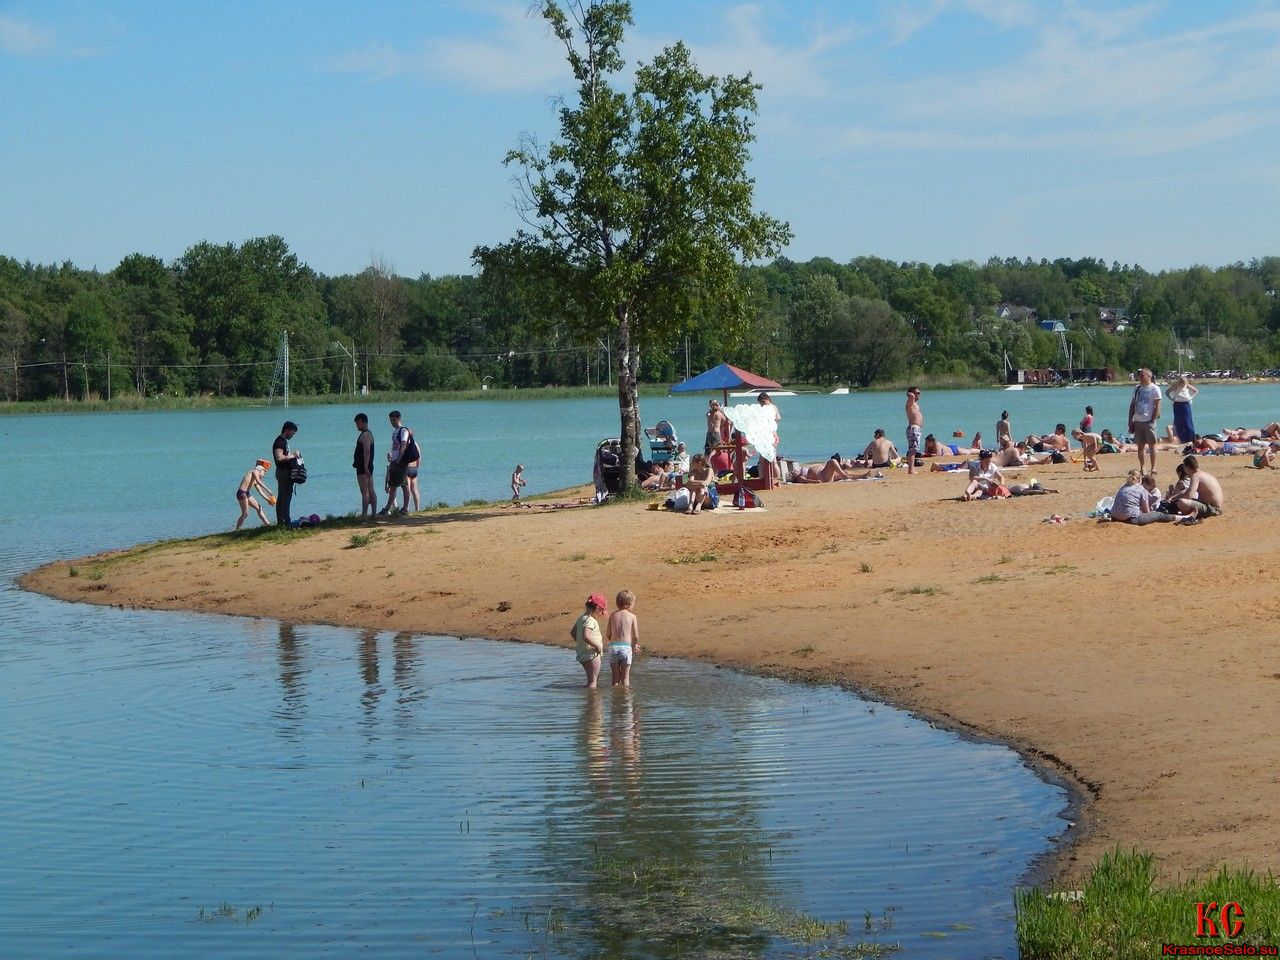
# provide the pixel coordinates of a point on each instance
(921, 130)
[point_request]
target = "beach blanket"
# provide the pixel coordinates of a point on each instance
(756, 423)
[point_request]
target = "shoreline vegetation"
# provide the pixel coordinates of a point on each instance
(135, 403)
(879, 587)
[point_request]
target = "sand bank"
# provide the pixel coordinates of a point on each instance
(1140, 663)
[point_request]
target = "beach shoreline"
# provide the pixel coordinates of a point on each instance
(975, 616)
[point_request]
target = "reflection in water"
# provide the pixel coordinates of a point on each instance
(367, 654)
(292, 682)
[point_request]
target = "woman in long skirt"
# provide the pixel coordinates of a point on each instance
(1181, 392)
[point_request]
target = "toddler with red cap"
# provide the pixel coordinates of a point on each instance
(586, 635)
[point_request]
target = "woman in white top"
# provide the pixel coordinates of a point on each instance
(1180, 393)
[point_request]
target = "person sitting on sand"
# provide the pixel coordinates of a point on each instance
(880, 452)
(1089, 443)
(1132, 504)
(986, 481)
(1204, 496)
(1152, 487)
(698, 479)
(1265, 459)
(1271, 431)
(828, 472)
(1056, 442)
(655, 479)
(1177, 489)
(244, 495)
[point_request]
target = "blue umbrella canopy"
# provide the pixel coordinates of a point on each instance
(725, 377)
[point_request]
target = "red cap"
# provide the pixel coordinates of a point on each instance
(596, 600)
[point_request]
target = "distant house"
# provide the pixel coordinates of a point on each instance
(1013, 311)
(1114, 319)
(1053, 326)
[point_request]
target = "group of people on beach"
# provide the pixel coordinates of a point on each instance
(399, 477)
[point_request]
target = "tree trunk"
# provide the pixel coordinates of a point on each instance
(628, 406)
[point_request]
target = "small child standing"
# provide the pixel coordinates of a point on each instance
(586, 636)
(250, 482)
(624, 639)
(1086, 422)
(517, 481)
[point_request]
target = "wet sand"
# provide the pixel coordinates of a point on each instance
(1141, 664)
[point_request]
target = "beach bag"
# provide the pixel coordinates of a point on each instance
(746, 498)
(713, 497)
(679, 500)
(411, 452)
(299, 472)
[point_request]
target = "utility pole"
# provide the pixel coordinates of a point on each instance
(108, 376)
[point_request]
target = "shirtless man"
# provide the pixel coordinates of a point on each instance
(715, 426)
(1008, 455)
(915, 427)
(1240, 434)
(880, 451)
(829, 472)
(1204, 496)
(1053, 441)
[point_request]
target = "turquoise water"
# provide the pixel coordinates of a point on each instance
(181, 785)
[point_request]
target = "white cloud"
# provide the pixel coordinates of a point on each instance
(1089, 77)
(521, 56)
(23, 38)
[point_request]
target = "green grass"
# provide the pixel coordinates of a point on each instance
(922, 591)
(361, 539)
(805, 651)
(1123, 913)
(1005, 558)
(864, 567)
(694, 558)
(1059, 569)
(991, 578)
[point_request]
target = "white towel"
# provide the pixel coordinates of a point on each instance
(757, 423)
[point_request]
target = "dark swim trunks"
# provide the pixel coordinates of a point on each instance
(242, 494)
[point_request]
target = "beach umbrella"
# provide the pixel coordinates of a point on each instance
(726, 377)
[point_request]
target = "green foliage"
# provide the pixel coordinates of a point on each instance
(1123, 913)
(640, 214)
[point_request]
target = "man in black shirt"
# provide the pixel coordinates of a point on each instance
(285, 462)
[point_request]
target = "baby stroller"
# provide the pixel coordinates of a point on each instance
(606, 471)
(662, 441)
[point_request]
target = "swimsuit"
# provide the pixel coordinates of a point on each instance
(242, 494)
(913, 439)
(620, 653)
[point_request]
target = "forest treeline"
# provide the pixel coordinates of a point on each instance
(210, 322)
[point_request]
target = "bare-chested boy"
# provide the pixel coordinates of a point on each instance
(1089, 442)
(623, 637)
(244, 495)
(1204, 497)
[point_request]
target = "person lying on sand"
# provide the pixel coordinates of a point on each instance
(1240, 434)
(1111, 444)
(828, 472)
(933, 447)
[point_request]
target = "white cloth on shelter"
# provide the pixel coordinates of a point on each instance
(757, 423)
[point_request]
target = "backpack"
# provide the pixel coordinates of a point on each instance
(298, 474)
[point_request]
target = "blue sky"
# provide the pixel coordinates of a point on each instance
(933, 130)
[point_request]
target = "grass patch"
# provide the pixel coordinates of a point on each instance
(361, 539)
(992, 578)
(922, 591)
(1005, 558)
(73, 571)
(1059, 568)
(694, 558)
(805, 651)
(864, 567)
(575, 557)
(1124, 914)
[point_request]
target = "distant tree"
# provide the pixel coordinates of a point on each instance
(642, 211)
(881, 343)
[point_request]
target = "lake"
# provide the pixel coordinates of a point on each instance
(181, 785)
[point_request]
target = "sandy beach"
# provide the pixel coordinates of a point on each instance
(1140, 664)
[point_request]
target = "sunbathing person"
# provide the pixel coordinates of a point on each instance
(698, 479)
(827, 472)
(1240, 434)
(933, 447)
(1271, 431)
(1031, 489)
(1205, 445)
(986, 480)
(880, 452)
(1110, 444)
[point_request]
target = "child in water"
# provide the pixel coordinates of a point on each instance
(586, 636)
(244, 495)
(517, 481)
(624, 639)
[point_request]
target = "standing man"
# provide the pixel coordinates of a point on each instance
(362, 460)
(285, 462)
(915, 426)
(1144, 411)
(715, 427)
(397, 465)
